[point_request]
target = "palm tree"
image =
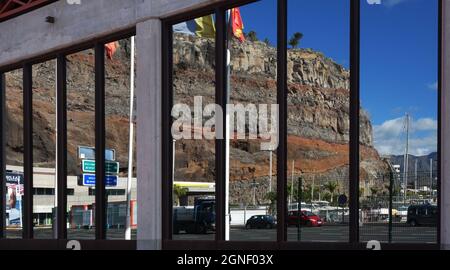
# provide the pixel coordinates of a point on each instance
(272, 197)
(332, 186)
(179, 192)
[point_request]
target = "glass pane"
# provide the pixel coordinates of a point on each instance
(117, 101)
(44, 149)
(14, 153)
(318, 120)
(80, 132)
(253, 91)
(398, 158)
(193, 151)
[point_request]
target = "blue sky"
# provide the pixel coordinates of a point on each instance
(398, 59)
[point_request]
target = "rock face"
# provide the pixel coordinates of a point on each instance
(318, 117)
(80, 106)
(318, 114)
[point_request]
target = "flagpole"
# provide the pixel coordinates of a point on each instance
(227, 138)
(227, 153)
(130, 145)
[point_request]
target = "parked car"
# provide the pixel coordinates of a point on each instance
(261, 222)
(425, 214)
(305, 218)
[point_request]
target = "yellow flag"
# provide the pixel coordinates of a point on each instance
(205, 27)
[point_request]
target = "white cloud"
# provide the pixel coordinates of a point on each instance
(392, 3)
(390, 136)
(433, 86)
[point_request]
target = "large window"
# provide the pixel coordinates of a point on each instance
(44, 146)
(252, 171)
(329, 191)
(192, 147)
(399, 122)
(318, 120)
(14, 153)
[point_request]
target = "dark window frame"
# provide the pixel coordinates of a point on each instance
(166, 155)
(354, 154)
(60, 56)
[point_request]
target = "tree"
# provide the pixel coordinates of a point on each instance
(374, 190)
(179, 192)
(252, 36)
(272, 197)
(267, 41)
(295, 40)
(331, 186)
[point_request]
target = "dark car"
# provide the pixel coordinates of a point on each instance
(304, 218)
(425, 214)
(261, 222)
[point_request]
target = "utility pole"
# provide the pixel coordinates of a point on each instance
(415, 178)
(431, 178)
(292, 183)
(270, 170)
(405, 167)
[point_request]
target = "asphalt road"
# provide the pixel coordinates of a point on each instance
(400, 234)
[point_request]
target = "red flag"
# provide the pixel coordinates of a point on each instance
(237, 24)
(111, 49)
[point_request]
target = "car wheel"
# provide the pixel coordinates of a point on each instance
(268, 226)
(247, 227)
(413, 223)
(309, 223)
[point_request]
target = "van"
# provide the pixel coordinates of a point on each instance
(425, 214)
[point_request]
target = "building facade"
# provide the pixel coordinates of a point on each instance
(172, 67)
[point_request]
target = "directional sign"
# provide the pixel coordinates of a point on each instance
(89, 180)
(88, 166)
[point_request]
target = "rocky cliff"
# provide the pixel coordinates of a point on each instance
(318, 114)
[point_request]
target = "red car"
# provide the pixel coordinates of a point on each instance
(306, 218)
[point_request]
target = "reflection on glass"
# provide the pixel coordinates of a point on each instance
(193, 151)
(252, 91)
(398, 161)
(318, 121)
(117, 102)
(80, 132)
(44, 148)
(14, 153)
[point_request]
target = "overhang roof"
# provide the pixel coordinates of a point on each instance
(13, 8)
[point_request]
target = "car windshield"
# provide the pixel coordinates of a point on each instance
(308, 214)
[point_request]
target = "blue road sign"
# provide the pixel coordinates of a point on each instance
(89, 180)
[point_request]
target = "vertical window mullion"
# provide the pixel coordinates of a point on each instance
(61, 154)
(167, 150)
(282, 120)
(440, 112)
(28, 152)
(354, 120)
(2, 156)
(221, 99)
(100, 198)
